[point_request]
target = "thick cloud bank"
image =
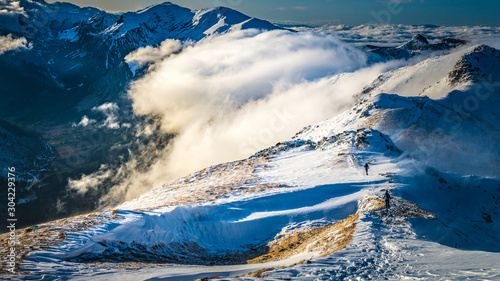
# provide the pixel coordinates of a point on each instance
(149, 54)
(225, 73)
(394, 35)
(229, 96)
(9, 7)
(7, 43)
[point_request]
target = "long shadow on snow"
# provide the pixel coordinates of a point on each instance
(222, 233)
(467, 209)
(234, 224)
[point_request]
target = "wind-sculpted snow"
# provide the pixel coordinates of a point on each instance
(325, 204)
(38, 237)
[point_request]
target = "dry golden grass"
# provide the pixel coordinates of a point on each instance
(340, 160)
(210, 184)
(324, 240)
(405, 209)
(374, 120)
(210, 278)
(42, 236)
(260, 273)
(126, 265)
(371, 204)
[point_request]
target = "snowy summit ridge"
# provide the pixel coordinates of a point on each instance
(72, 43)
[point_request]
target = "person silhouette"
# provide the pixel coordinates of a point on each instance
(387, 198)
(366, 168)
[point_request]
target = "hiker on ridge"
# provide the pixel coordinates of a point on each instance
(366, 168)
(387, 197)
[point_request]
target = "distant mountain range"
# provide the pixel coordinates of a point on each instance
(76, 51)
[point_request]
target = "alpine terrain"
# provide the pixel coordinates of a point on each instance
(69, 71)
(310, 207)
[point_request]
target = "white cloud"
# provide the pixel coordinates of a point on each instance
(228, 96)
(223, 73)
(84, 122)
(7, 43)
(110, 110)
(393, 35)
(106, 107)
(146, 55)
(9, 7)
(87, 182)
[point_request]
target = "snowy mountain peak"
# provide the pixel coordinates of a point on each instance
(64, 21)
(480, 64)
(416, 46)
(88, 40)
(418, 41)
(168, 5)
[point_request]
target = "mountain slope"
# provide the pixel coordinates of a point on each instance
(309, 199)
(428, 130)
(300, 187)
(70, 69)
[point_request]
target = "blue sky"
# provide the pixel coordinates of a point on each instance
(351, 12)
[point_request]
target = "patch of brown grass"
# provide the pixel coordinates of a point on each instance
(42, 236)
(260, 273)
(325, 240)
(371, 204)
(340, 160)
(127, 265)
(374, 120)
(210, 278)
(208, 185)
(404, 209)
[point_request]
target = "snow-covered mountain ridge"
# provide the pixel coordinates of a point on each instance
(308, 198)
(476, 66)
(69, 39)
(39, 20)
(149, 27)
(304, 209)
(416, 46)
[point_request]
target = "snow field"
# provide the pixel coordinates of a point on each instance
(319, 194)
